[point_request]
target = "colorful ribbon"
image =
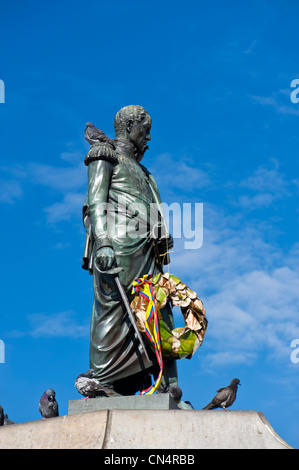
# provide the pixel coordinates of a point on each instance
(145, 288)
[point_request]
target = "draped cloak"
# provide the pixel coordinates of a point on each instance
(121, 208)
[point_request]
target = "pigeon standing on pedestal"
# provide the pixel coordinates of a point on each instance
(7, 421)
(225, 396)
(48, 405)
(90, 387)
(176, 393)
(1, 416)
(4, 420)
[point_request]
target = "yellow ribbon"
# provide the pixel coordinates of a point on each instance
(144, 287)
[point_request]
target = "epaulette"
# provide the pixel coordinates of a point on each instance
(101, 151)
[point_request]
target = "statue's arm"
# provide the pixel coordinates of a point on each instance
(99, 178)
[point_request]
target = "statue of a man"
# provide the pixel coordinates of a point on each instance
(117, 185)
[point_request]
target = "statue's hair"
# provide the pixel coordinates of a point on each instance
(132, 112)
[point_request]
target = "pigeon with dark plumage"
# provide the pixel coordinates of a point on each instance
(94, 135)
(225, 396)
(175, 392)
(90, 387)
(1, 416)
(48, 405)
(4, 420)
(7, 421)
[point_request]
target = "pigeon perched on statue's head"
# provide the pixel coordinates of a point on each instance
(48, 405)
(225, 397)
(94, 135)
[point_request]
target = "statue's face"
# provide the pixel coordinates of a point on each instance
(139, 133)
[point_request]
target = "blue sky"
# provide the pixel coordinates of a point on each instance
(215, 78)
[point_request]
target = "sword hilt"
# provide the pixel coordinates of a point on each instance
(113, 270)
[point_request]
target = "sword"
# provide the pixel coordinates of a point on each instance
(115, 273)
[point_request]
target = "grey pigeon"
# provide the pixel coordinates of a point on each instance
(1, 416)
(48, 405)
(225, 396)
(94, 135)
(4, 421)
(7, 421)
(187, 402)
(176, 393)
(90, 387)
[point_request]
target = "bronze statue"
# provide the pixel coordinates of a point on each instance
(121, 193)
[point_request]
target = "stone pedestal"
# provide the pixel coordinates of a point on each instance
(156, 427)
(161, 401)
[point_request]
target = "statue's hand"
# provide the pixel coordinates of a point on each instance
(105, 258)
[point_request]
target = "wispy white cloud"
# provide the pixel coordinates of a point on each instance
(70, 207)
(62, 179)
(60, 246)
(222, 359)
(67, 181)
(179, 174)
(256, 201)
(281, 106)
(249, 287)
(10, 190)
(265, 179)
(264, 187)
(257, 311)
(251, 47)
(58, 325)
(73, 157)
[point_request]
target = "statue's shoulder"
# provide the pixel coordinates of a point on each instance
(151, 181)
(149, 175)
(101, 151)
(146, 171)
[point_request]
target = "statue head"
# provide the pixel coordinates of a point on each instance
(133, 123)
